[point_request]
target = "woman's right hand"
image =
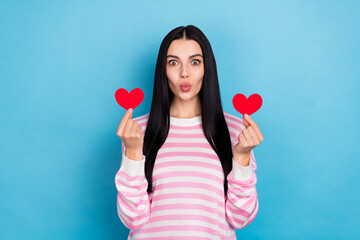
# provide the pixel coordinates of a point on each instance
(131, 135)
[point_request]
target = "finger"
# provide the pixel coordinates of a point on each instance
(133, 129)
(246, 122)
(254, 135)
(122, 124)
(248, 136)
(139, 129)
(127, 128)
(256, 127)
(243, 141)
(250, 120)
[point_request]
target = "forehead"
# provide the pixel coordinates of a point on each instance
(182, 47)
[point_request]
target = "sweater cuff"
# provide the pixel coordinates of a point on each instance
(241, 173)
(131, 167)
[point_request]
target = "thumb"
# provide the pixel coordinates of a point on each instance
(246, 123)
(131, 112)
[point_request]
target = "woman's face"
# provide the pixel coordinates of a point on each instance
(185, 68)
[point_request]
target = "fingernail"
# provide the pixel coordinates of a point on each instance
(130, 109)
(247, 116)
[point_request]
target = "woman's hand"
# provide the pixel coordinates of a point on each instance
(249, 138)
(131, 135)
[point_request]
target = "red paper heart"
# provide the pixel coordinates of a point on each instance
(247, 105)
(129, 100)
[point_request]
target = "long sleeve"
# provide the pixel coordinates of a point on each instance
(133, 205)
(241, 203)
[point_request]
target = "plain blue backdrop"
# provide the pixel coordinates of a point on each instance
(62, 61)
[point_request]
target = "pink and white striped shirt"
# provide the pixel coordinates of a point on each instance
(188, 200)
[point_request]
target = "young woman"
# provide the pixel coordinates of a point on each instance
(188, 168)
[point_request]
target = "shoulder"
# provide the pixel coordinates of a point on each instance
(142, 120)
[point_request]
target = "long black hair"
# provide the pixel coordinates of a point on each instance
(213, 121)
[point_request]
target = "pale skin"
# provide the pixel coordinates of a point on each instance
(184, 63)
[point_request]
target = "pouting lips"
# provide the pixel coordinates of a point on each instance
(185, 85)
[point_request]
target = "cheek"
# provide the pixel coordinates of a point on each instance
(171, 73)
(199, 84)
(199, 78)
(170, 77)
(171, 81)
(199, 73)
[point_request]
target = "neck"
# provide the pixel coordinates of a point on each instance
(185, 109)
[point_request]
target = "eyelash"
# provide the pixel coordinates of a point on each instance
(175, 60)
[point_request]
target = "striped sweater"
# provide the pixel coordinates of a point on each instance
(187, 201)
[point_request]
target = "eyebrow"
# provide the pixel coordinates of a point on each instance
(189, 57)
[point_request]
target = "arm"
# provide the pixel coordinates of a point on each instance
(241, 202)
(133, 205)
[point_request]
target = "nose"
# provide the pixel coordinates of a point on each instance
(184, 72)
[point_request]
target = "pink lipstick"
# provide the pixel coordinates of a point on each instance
(185, 87)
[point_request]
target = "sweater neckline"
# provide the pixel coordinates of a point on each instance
(185, 121)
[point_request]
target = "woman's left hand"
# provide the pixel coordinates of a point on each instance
(249, 138)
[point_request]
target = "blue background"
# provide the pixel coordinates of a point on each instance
(62, 61)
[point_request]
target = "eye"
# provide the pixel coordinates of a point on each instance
(171, 62)
(198, 62)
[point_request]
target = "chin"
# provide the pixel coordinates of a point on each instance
(186, 96)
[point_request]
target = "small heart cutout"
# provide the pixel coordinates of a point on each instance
(129, 100)
(247, 105)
